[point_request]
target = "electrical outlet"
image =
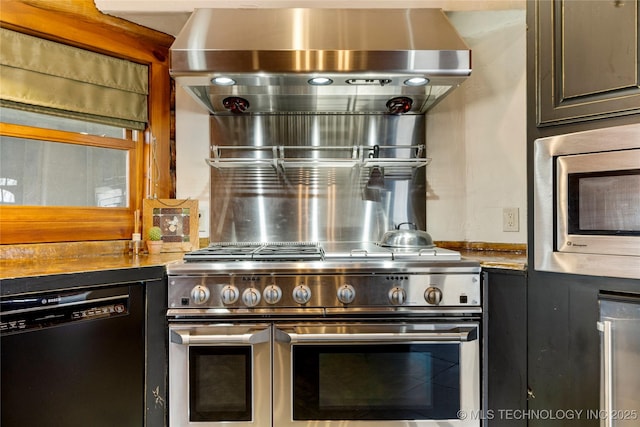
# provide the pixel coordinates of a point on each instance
(510, 219)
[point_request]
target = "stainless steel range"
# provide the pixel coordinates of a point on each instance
(317, 134)
(340, 333)
(328, 278)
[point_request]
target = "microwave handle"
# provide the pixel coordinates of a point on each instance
(451, 335)
(186, 338)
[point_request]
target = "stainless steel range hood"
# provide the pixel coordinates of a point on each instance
(371, 60)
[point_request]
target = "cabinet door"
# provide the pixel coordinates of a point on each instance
(157, 342)
(563, 346)
(587, 60)
(505, 347)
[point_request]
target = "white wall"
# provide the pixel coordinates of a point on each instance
(477, 135)
(192, 147)
(169, 16)
(476, 138)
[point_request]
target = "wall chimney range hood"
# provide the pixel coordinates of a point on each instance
(354, 61)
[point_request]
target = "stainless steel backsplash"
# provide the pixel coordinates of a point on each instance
(300, 177)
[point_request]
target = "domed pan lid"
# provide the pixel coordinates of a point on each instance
(407, 239)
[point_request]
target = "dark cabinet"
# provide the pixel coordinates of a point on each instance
(505, 347)
(156, 353)
(564, 346)
(587, 59)
(583, 59)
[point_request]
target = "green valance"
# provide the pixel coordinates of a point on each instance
(49, 77)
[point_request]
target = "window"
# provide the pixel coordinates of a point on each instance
(60, 185)
(35, 172)
(75, 170)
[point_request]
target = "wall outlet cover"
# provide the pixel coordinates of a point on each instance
(510, 219)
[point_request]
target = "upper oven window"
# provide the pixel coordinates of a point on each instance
(376, 382)
(604, 203)
(220, 383)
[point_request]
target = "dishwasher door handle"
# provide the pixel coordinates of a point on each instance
(254, 337)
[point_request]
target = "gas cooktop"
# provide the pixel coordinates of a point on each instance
(314, 251)
(244, 251)
(307, 275)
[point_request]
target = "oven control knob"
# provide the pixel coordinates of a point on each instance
(229, 294)
(272, 294)
(433, 295)
(301, 294)
(346, 294)
(251, 297)
(200, 294)
(397, 296)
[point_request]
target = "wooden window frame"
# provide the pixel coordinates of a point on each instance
(56, 223)
(78, 23)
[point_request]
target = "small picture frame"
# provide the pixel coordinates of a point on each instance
(178, 220)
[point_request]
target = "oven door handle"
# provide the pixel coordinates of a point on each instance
(186, 338)
(459, 334)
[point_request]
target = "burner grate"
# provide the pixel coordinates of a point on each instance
(272, 251)
(313, 251)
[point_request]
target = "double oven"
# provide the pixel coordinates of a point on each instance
(324, 341)
(299, 313)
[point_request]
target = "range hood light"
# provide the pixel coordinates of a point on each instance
(320, 81)
(223, 81)
(416, 81)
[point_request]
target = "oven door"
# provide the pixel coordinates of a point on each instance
(219, 374)
(396, 375)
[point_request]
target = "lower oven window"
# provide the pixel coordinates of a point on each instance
(220, 383)
(376, 382)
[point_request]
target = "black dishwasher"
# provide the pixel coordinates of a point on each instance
(73, 358)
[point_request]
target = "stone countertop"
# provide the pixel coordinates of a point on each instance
(12, 269)
(506, 256)
(19, 262)
(35, 260)
(497, 259)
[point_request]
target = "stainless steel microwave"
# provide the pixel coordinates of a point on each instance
(587, 202)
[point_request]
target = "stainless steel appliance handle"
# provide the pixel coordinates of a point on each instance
(355, 252)
(462, 334)
(606, 388)
(186, 338)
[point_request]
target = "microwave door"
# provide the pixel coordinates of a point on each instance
(599, 203)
